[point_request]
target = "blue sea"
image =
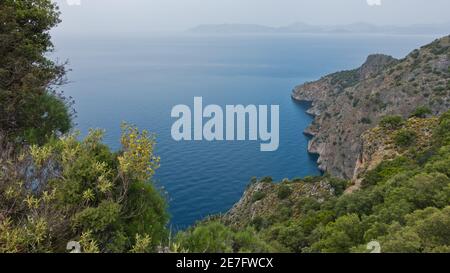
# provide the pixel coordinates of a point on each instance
(139, 79)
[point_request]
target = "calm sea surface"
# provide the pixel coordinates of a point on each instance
(139, 80)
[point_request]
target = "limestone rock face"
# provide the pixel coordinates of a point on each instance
(378, 145)
(346, 104)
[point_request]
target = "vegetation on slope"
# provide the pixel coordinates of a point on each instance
(404, 203)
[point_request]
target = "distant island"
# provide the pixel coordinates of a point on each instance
(299, 27)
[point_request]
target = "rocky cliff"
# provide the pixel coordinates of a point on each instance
(270, 201)
(379, 145)
(348, 103)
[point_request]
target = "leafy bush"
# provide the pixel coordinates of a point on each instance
(386, 170)
(284, 191)
(340, 235)
(259, 223)
(442, 132)
(307, 204)
(405, 138)
(93, 195)
(422, 112)
(338, 185)
(257, 196)
(214, 237)
(211, 237)
(391, 122)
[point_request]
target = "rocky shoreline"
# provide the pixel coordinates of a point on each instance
(311, 132)
(348, 103)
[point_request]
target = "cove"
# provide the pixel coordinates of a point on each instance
(140, 79)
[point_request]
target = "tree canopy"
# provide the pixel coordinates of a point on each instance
(31, 107)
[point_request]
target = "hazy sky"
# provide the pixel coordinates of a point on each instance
(116, 16)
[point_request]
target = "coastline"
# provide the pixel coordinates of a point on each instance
(310, 132)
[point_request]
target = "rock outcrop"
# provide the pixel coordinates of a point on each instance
(266, 199)
(378, 145)
(348, 103)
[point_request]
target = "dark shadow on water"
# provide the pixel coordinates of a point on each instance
(305, 106)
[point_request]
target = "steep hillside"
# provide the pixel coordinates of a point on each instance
(384, 143)
(267, 200)
(347, 103)
(401, 200)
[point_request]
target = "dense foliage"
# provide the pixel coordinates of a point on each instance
(31, 108)
(55, 188)
(70, 190)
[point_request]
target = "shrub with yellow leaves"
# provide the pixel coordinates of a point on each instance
(137, 160)
(72, 190)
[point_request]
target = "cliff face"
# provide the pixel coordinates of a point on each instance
(267, 200)
(378, 145)
(348, 103)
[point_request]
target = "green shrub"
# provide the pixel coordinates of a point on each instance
(442, 132)
(391, 122)
(259, 223)
(405, 138)
(341, 235)
(386, 170)
(339, 185)
(284, 191)
(80, 190)
(212, 237)
(307, 204)
(415, 54)
(284, 213)
(422, 112)
(257, 196)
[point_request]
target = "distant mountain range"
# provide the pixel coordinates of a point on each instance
(442, 29)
